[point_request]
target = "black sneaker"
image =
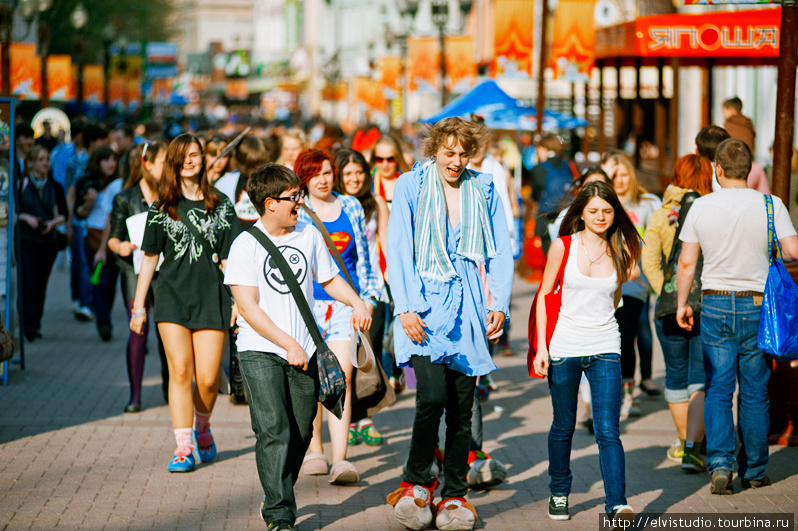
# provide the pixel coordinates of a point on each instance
(721, 482)
(755, 483)
(558, 507)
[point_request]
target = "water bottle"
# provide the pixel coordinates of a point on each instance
(95, 277)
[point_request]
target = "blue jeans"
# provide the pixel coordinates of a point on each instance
(729, 327)
(684, 365)
(603, 371)
(282, 405)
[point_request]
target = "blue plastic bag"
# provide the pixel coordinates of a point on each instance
(778, 322)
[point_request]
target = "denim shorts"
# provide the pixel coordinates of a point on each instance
(334, 319)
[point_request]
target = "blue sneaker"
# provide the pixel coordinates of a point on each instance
(182, 463)
(206, 446)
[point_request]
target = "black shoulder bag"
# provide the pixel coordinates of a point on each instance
(332, 384)
(667, 302)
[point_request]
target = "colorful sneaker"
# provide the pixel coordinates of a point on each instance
(206, 446)
(484, 472)
(183, 461)
(691, 460)
(369, 434)
(354, 437)
(676, 451)
(455, 514)
(558, 507)
(412, 504)
(721, 482)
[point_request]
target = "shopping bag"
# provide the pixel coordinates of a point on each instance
(778, 322)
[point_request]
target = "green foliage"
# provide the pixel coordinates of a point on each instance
(137, 20)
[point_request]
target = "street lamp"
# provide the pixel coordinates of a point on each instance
(440, 17)
(78, 18)
(31, 11)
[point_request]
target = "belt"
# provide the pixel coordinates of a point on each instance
(731, 293)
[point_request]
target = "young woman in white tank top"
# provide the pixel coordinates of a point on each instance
(604, 248)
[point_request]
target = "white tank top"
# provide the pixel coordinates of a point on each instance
(587, 324)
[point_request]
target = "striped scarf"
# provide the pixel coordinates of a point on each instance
(476, 239)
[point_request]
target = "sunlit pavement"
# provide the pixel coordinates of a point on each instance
(70, 458)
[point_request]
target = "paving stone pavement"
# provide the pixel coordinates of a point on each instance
(70, 458)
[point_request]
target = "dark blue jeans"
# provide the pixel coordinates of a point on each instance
(79, 271)
(282, 405)
(684, 365)
(603, 371)
(729, 327)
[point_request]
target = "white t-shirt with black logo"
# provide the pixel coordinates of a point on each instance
(248, 264)
(731, 225)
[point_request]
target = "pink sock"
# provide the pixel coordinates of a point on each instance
(202, 421)
(183, 438)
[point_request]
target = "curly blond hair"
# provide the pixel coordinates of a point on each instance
(471, 136)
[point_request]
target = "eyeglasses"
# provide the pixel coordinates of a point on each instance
(380, 160)
(293, 198)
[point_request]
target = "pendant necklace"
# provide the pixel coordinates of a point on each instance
(591, 262)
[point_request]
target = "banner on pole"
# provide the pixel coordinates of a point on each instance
(461, 68)
(513, 27)
(573, 48)
(59, 78)
(423, 64)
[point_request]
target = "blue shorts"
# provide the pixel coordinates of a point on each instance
(334, 319)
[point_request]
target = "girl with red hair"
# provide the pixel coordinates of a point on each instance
(684, 365)
(343, 218)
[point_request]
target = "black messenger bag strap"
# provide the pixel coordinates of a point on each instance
(330, 244)
(293, 285)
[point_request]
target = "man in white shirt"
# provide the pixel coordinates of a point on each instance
(274, 345)
(730, 227)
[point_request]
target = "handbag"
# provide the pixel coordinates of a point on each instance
(553, 302)
(332, 383)
(665, 310)
(6, 343)
(778, 321)
(371, 391)
(182, 214)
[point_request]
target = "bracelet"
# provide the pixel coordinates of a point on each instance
(141, 312)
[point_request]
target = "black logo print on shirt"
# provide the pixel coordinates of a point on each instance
(296, 261)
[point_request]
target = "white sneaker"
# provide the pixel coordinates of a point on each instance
(622, 517)
(84, 313)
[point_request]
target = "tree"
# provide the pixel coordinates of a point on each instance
(138, 20)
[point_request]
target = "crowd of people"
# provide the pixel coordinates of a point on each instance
(419, 256)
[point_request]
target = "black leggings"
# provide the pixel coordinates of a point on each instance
(439, 388)
(628, 317)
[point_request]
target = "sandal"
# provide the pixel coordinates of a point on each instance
(314, 465)
(354, 437)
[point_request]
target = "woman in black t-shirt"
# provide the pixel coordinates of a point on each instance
(42, 207)
(192, 308)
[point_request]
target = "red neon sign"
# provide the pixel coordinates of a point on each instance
(731, 34)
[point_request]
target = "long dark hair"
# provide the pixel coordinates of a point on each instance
(622, 236)
(93, 168)
(169, 189)
(137, 156)
(345, 156)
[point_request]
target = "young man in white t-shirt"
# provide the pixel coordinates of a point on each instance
(274, 345)
(730, 227)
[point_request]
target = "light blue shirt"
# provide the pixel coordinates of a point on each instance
(455, 312)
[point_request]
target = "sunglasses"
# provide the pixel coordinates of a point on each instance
(380, 160)
(293, 198)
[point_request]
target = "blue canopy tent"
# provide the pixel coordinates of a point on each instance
(502, 111)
